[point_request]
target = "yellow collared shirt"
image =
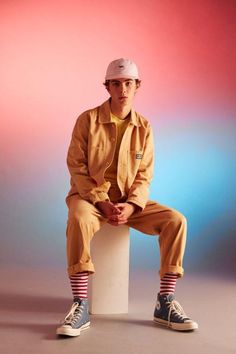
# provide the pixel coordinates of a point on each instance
(111, 172)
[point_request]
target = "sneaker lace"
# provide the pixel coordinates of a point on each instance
(74, 314)
(176, 308)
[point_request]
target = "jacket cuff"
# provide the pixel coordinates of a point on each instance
(138, 203)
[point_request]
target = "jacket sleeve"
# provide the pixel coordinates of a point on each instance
(139, 191)
(77, 162)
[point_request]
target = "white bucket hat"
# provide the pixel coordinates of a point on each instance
(122, 68)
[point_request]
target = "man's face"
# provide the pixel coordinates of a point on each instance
(122, 91)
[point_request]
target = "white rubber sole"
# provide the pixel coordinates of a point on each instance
(187, 326)
(72, 332)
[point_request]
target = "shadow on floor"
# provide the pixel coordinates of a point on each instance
(48, 331)
(32, 303)
(26, 312)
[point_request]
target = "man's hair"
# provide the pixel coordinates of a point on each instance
(106, 83)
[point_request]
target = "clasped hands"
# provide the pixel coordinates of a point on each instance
(117, 213)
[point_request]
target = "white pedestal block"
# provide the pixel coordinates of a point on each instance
(109, 285)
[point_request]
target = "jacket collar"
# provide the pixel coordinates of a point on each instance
(104, 115)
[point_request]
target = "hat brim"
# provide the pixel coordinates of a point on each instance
(122, 76)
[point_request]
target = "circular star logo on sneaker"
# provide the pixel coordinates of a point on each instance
(158, 305)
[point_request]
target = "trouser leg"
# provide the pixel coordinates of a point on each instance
(171, 227)
(84, 220)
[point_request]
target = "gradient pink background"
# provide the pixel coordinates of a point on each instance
(53, 59)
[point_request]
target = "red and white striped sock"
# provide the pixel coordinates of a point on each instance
(79, 284)
(168, 282)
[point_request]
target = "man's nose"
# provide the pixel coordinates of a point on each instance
(123, 88)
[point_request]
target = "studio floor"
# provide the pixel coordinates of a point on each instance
(33, 301)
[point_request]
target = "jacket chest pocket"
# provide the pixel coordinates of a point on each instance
(134, 158)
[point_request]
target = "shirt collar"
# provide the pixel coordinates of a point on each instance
(105, 117)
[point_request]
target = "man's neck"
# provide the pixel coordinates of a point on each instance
(120, 111)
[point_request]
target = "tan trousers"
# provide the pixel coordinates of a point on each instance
(84, 220)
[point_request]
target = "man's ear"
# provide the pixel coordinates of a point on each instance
(137, 87)
(106, 84)
(108, 88)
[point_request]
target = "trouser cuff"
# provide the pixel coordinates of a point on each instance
(172, 269)
(76, 268)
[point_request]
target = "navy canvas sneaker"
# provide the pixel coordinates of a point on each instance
(168, 312)
(76, 320)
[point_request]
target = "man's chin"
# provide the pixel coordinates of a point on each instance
(124, 102)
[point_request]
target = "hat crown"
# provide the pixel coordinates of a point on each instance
(122, 68)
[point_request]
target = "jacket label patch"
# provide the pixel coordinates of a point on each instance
(138, 155)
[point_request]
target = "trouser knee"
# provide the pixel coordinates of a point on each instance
(177, 219)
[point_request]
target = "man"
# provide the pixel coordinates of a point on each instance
(110, 160)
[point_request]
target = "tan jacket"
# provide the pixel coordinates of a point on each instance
(92, 149)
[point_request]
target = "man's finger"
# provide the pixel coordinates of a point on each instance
(115, 210)
(118, 217)
(120, 205)
(121, 222)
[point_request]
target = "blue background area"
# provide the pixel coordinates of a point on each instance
(195, 174)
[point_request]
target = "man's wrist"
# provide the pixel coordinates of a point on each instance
(136, 207)
(101, 201)
(133, 205)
